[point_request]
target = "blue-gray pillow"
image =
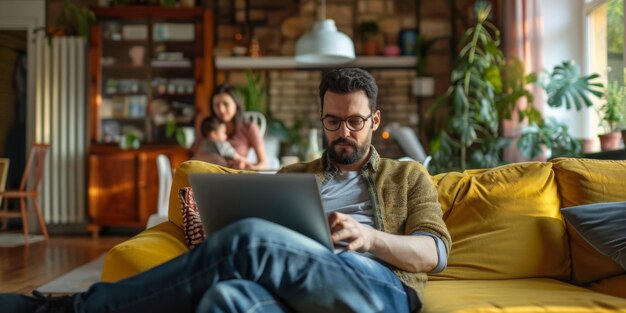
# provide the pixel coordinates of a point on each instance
(603, 226)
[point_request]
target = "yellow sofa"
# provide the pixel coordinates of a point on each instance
(512, 250)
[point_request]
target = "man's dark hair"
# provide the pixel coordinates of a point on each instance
(210, 124)
(348, 80)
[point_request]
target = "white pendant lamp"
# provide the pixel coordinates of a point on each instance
(324, 45)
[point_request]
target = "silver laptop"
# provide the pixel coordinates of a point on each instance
(290, 200)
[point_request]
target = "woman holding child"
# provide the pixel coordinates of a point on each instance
(228, 109)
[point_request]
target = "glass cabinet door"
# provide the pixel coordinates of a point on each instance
(125, 76)
(173, 52)
(150, 66)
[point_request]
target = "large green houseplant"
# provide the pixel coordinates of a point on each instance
(565, 87)
(485, 89)
(479, 96)
(547, 136)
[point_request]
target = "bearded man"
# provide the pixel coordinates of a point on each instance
(384, 212)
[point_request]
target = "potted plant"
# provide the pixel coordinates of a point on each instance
(73, 20)
(253, 93)
(291, 142)
(184, 135)
(549, 137)
(611, 116)
(368, 31)
(477, 100)
(565, 87)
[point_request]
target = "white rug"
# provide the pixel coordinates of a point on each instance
(78, 280)
(11, 240)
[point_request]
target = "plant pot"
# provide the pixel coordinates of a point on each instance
(423, 86)
(610, 141)
(370, 47)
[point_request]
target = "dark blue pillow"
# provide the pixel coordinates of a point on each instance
(603, 226)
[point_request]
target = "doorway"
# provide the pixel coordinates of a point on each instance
(13, 85)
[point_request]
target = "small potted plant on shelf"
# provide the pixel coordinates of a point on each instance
(368, 30)
(73, 20)
(611, 116)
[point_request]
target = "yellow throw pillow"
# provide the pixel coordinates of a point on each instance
(181, 180)
(505, 223)
(586, 181)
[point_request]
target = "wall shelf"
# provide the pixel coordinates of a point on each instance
(268, 63)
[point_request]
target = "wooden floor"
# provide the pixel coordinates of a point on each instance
(25, 268)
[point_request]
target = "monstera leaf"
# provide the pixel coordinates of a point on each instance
(565, 87)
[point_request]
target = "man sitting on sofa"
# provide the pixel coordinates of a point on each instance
(387, 211)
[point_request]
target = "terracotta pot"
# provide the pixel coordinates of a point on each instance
(370, 47)
(610, 141)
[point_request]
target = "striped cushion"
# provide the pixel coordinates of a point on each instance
(192, 225)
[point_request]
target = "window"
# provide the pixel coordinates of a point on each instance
(605, 43)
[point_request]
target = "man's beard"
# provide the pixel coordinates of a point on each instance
(343, 156)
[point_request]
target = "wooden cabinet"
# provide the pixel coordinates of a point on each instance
(148, 65)
(124, 184)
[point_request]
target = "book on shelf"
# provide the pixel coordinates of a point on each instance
(124, 107)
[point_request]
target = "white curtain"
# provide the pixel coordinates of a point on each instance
(523, 31)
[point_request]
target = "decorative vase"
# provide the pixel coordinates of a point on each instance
(391, 51)
(313, 150)
(136, 54)
(423, 86)
(370, 47)
(407, 40)
(190, 136)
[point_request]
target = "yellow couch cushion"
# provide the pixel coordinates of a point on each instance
(504, 222)
(585, 181)
(146, 250)
(181, 180)
(516, 295)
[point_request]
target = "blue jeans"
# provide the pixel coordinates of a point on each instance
(254, 266)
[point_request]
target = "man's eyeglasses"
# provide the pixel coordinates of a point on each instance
(354, 122)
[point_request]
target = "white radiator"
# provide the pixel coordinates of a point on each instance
(61, 121)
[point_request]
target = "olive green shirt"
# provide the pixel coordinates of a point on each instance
(404, 201)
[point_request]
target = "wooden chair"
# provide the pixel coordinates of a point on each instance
(31, 179)
(4, 170)
(164, 169)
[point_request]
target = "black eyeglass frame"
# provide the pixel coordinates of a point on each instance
(345, 120)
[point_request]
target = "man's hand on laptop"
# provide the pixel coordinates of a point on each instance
(346, 232)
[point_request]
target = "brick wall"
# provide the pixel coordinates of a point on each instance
(293, 93)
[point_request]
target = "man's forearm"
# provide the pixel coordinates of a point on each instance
(409, 253)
